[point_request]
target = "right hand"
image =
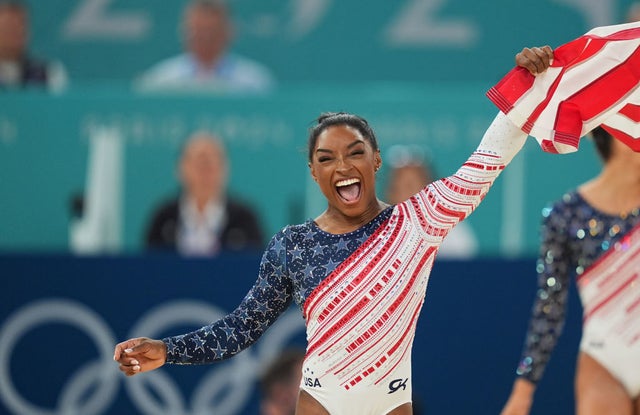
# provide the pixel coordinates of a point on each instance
(140, 355)
(535, 60)
(521, 398)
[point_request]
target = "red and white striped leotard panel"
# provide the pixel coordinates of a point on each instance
(361, 318)
(610, 292)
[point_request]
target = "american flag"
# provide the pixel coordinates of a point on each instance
(593, 80)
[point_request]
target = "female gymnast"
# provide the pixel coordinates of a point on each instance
(358, 272)
(591, 233)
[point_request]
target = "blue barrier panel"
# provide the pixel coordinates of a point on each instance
(60, 317)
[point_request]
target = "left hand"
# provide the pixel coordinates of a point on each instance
(536, 60)
(140, 355)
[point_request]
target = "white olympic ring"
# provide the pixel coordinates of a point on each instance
(101, 371)
(222, 391)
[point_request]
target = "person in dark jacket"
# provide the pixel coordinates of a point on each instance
(203, 220)
(18, 68)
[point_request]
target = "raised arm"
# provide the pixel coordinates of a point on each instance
(458, 195)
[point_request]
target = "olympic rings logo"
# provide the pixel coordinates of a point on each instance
(223, 391)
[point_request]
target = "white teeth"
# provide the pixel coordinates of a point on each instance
(347, 182)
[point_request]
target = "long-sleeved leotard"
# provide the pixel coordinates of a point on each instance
(573, 236)
(360, 292)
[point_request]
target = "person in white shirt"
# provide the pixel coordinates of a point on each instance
(207, 65)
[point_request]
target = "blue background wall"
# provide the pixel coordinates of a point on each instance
(62, 315)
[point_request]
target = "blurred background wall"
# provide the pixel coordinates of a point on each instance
(417, 69)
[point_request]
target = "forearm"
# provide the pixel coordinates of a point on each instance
(462, 192)
(215, 342)
(502, 139)
(520, 399)
(269, 297)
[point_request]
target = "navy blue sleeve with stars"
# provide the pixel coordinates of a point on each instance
(269, 297)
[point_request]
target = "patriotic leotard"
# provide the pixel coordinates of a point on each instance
(360, 292)
(575, 239)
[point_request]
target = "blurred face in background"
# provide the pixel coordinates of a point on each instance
(14, 32)
(207, 32)
(406, 181)
(203, 169)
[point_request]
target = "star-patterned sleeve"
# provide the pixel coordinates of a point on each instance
(549, 308)
(269, 297)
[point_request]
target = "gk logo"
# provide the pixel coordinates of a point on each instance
(396, 384)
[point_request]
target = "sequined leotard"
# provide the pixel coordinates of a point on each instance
(574, 236)
(360, 292)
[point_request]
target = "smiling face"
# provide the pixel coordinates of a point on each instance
(344, 163)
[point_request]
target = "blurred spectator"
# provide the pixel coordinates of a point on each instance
(280, 384)
(203, 219)
(410, 172)
(633, 12)
(206, 63)
(18, 69)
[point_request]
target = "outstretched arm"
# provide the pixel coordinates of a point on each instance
(268, 298)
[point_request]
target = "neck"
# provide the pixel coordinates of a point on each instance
(336, 221)
(6, 56)
(201, 202)
(207, 62)
(615, 190)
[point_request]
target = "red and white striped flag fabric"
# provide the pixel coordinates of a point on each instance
(592, 81)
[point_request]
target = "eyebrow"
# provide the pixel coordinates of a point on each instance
(352, 144)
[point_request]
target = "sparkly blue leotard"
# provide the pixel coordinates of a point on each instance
(573, 235)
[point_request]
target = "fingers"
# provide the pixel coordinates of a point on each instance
(125, 347)
(129, 366)
(548, 52)
(536, 60)
(124, 355)
(140, 355)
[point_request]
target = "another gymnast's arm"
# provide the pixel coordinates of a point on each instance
(548, 312)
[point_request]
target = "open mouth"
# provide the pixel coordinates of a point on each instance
(349, 190)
